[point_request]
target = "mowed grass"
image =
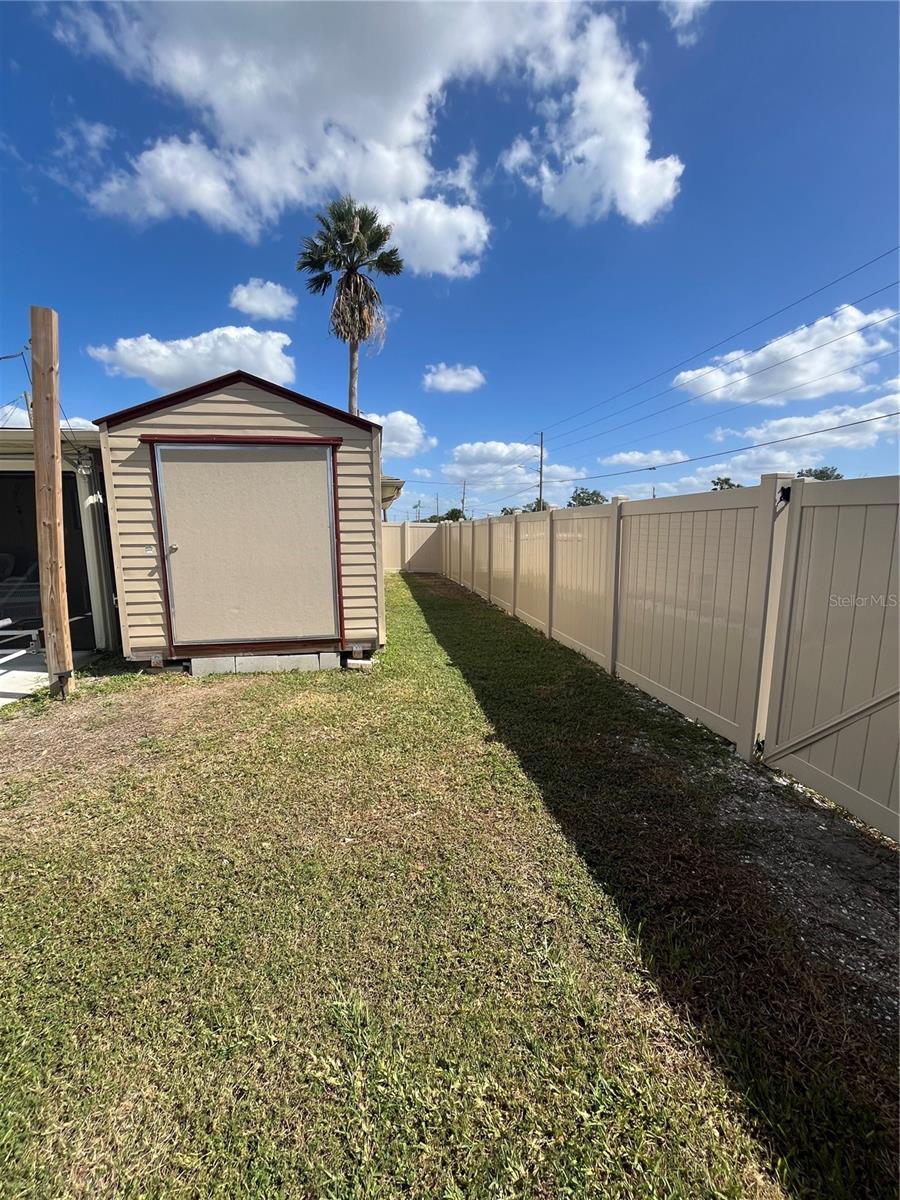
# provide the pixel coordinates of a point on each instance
(396, 935)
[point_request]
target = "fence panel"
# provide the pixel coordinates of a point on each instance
(584, 579)
(391, 539)
(412, 546)
(692, 593)
(481, 532)
(454, 553)
(503, 532)
(833, 709)
(533, 568)
(423, 547)
(465, 554)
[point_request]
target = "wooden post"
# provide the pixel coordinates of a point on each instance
(48, 499)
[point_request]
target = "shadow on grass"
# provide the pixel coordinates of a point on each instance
(634, 788)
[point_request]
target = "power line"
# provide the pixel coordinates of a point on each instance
(738, 358)
(720, 412)
(719, 388)
(679, 462)
(715, 345)
(737, 333)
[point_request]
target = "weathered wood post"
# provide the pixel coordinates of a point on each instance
(48, 500)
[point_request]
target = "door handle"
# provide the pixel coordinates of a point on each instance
(173, 546)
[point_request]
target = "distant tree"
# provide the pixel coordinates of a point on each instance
(452, 514)
(722, 483)
(583, 496)
(823, 473)
(351, 243)
(536, 506)
(509, 512)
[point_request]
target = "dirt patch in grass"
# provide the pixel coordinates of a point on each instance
(463, 926)
(838, 884)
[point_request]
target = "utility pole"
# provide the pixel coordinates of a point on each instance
(48, 500)
(437, 505)
(463, 505)
(418, 507)
(541, 476)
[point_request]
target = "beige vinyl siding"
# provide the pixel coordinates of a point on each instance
(241, 410)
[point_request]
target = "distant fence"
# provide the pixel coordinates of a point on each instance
(411, 546)
(767, 613)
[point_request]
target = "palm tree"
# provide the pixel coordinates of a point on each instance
(352, 244)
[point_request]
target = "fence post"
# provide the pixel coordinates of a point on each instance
(515, 564)
(490, 578)
(551, 563)
(613, 582)
(404, 551)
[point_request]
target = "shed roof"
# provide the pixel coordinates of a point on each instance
(222, 381)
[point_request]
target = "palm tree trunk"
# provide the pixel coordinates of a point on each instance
(354, 379)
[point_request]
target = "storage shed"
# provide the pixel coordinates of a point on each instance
(245, 521)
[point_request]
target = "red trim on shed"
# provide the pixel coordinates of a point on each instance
(209, 649)
(178, 649)
(236, 439)
(161, 554)
(222, 381)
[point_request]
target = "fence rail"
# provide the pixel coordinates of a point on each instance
(741, 609)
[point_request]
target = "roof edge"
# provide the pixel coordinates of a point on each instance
(201, 389)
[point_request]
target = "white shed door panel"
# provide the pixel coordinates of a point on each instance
(249, 542)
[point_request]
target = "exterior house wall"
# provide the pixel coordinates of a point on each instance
(239, 409)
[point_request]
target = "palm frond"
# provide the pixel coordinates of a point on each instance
(388, 262)
(319, 283)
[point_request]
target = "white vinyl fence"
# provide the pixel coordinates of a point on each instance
(767, 613)
(411, 546)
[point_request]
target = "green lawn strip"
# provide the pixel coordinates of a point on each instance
(330, 936)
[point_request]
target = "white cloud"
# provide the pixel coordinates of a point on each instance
(859, 437)
(441, 377)
(439, 238)
(593, 153)
(276, 127)
(14, 416)
(789, 457)
(82, 138)
(421, 472)
(403, 435)
(753, 376)
(641, 458)
(682, 17)
(174, 364)
(508, 467)
(264, 299)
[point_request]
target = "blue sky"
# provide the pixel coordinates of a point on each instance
(584, 196)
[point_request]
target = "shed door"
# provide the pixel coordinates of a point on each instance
(249, 542)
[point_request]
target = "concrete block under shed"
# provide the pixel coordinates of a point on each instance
(246, 663)
(212, 666)
(329, 662)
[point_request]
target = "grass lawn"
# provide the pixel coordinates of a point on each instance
(461, 927)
